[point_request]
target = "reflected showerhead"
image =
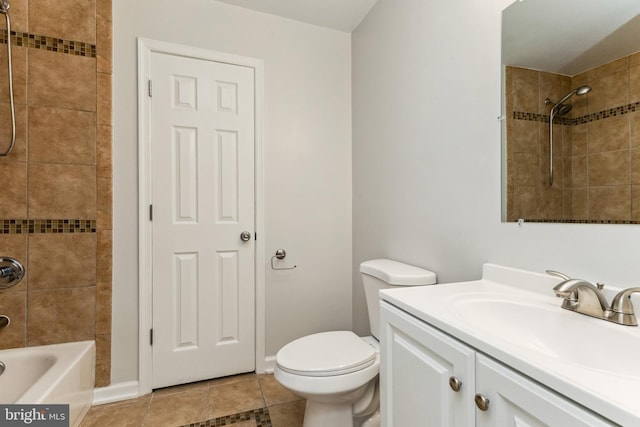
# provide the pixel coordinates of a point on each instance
(583, 90)
(560, 108)
(4, 6)
(563, 109)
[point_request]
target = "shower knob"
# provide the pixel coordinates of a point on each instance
(11, 272)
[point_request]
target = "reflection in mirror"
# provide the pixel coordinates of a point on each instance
(578, 63)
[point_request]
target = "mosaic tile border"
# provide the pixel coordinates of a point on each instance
(261, 417)
(46, 226)
(542, 118)
(579, 221)
(601, 115)
(51, 44)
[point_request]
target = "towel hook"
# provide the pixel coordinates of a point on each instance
(281, 254)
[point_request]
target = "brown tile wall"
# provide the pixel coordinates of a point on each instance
(603, 154)
(56, 213)
(528, 193)
(596, 149)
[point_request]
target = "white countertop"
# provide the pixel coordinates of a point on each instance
(603, 374)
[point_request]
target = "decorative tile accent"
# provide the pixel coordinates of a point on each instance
(580, 221)
(530, 117)
(52, 44)
(600, 115)
(261, 416)
(39, 226)
(534, 117)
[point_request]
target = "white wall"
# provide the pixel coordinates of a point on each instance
(426, 154)
(307, 136)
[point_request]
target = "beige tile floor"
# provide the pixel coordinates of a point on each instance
(239, 401)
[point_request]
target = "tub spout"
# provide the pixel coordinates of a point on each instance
(4, 321)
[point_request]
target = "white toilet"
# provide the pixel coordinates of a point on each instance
(337, 372)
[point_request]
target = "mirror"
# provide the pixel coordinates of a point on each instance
(578, 63)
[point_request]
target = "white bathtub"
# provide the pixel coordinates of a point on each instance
(50, 374)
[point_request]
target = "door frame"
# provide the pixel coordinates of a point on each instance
(145, 303)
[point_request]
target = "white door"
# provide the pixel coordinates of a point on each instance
(202, 179)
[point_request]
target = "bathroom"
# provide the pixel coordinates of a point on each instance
(381, 142)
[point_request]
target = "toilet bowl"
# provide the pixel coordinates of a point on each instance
(337, 371)
(333, 371)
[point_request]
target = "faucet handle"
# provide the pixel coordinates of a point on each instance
(622, 302)
(622, 307)
(558, 274)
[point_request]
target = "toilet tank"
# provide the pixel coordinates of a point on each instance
(378, 274)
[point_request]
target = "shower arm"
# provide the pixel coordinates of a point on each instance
(5, 12)
(579, 91)
(551, 114)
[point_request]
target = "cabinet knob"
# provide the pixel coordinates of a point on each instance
(481, 402)
(455, 384)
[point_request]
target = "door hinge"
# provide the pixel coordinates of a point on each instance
(150, 89)
(150, 336)
(150, 212)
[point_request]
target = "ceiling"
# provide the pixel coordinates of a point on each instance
(341, 15)
(569, 36)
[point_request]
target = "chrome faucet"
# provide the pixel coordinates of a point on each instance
(585, 298)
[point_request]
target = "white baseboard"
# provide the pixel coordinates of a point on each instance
(131, 389)
(116, 392)
(269, 364)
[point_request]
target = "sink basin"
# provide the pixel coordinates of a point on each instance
(544, 328)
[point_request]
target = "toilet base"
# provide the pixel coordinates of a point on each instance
(318, 414)
(330, 415)
(373, 420)
(364, 412)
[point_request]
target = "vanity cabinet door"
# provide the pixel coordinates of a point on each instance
(515, 400)
(418, 363)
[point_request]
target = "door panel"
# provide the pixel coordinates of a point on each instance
(202, 169)
(417, 364)
(516, 401)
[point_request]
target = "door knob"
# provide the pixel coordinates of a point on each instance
(245, 236)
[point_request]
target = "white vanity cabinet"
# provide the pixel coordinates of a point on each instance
(422, 367)
(417, 364)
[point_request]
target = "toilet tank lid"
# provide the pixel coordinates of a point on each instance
(397, 273)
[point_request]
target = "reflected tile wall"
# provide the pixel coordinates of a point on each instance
(528, 195)
(597, 171)
(58, 221)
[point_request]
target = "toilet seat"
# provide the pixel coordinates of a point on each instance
(326, 354)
